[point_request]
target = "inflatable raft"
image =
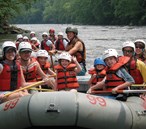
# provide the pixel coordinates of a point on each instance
(72, 109)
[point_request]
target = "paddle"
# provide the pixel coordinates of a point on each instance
(42, 89)
(52, 63)
(28, 87)
(119, 91)
(138, 85)
(50, 53)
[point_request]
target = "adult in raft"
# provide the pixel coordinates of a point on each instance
(11, 74)
(76, 47)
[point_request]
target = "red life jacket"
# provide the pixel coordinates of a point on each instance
(99, 75)
(44, 46)
(10, 78)
(66, 77)
(45, 70)
(134, 72)
(112, 79)
(53, 38)
(31, 71)
(59, 45)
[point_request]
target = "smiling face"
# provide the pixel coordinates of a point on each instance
(42, 60)
(25, 55)
(110, 61)
(128, 51)
(139, 48)
(10, 54)
(70, 35)
(64, 63)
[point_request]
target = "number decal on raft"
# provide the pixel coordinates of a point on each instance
(11, 104)
(96, 100)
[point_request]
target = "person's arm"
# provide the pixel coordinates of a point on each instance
(98, 85)
(46, 80)
(78, 68)
(91, 79)
(127, 77)
(1, 68)
(50, 44)
(51, 72)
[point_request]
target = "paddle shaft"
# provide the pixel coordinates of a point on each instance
(27, 87)
(119, 91)
(52, 63)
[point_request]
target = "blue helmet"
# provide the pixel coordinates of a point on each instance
(99, 61)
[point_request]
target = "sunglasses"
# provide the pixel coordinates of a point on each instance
(139, 46)
(128, 51)
(44, 36)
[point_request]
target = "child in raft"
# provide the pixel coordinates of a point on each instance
(117, 78)
(66, 72)
(97, 72)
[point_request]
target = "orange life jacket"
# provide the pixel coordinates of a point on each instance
(99, 75)
(112, 79)
(66, 77)
(45, 70)
(134, 72)
(31, 71)
(10, 78)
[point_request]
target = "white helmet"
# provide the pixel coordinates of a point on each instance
(60, 33)
(45, 33)
(24, 46)
(140, 41)
(109, 53)
(65, 55)
(42, 53)
(19, 36)
(25, 37)
(8, 44)
(34, 38)
(128, 44)
(32, 32)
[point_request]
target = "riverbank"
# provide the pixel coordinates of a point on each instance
(11, 29)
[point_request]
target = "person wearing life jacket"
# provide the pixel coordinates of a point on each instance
(61, 42)
(66, 71)
(140, 49)
(42, 58)
(32, 34)
(46, 43)
(19, 40)
(76, 48)
(35, 44)
(52, 35)
(117, 78)
(135, 67)
(144, 56)
(98, 72)
(11, 75)
(26, 39)
(30, 65)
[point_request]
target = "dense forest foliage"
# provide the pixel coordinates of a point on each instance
(94, 12)
(90, 12)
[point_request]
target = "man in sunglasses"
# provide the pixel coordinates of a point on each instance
(136, 67)
(140, 49)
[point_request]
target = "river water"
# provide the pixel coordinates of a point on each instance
(96, 38)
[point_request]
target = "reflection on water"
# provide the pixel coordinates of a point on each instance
(96, 38)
